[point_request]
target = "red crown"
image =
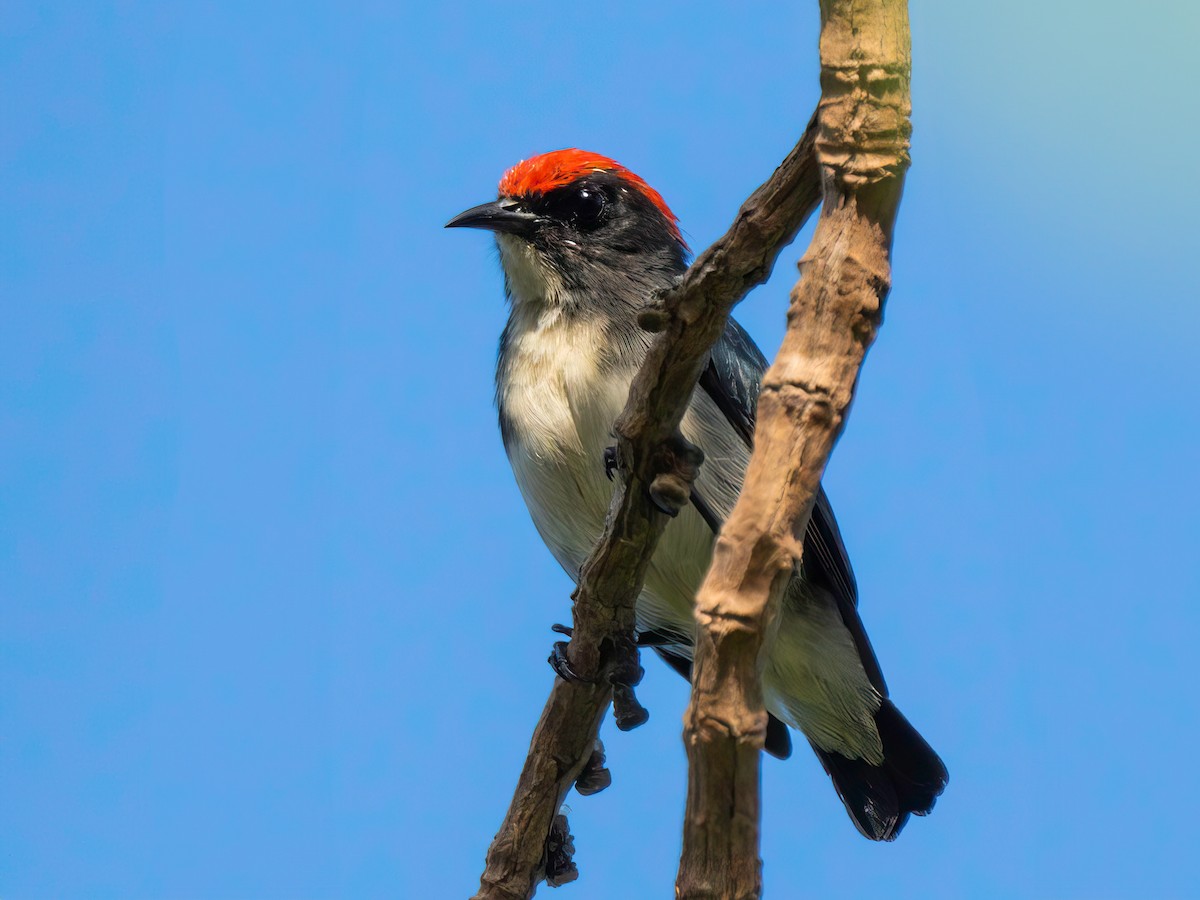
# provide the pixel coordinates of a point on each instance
(558, 167)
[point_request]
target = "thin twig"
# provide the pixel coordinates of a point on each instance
(862, 147)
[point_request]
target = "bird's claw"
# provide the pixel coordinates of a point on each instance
(653, 639)
(649, 638)
(624, 676)
(611, 462)
(561, 664)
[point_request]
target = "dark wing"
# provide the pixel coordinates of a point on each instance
(733, 379)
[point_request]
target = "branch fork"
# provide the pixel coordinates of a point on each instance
(658, 470)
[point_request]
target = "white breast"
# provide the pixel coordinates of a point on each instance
(559, 408)
(559, 402)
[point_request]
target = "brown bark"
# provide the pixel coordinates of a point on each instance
(862, 149)
(657, 463)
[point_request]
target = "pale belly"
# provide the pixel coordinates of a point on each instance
(563, 481)
(556, 433)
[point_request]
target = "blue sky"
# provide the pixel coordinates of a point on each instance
(273, 619)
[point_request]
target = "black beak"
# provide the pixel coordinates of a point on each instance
(501, 216)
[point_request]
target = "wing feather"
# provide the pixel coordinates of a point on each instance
(733, 380)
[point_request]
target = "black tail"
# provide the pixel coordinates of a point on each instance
(880, 798)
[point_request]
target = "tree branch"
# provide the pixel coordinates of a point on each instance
(658, 468)
(862, 149)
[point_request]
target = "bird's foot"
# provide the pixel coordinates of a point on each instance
(611, 461)
(641, 639)
(560, 662)
(654, 639)
(624, 676)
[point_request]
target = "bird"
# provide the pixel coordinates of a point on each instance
(585, 245)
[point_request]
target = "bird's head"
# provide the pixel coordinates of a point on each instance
(574, 226)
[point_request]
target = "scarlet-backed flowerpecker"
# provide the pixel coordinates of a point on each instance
(585, 244)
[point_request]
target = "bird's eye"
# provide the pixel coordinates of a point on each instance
(582, 207)
(589, 209)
